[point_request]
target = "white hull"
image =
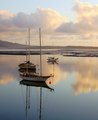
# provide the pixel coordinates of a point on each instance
(35, 78)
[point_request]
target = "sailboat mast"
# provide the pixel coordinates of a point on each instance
(40, 52)
(26, 52)
(40, 112)
(27, 100)
(29, 44)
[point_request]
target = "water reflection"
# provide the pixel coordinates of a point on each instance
(5, 79)
(85, 72)
(71, 76)
(8, 69)
(29, 84)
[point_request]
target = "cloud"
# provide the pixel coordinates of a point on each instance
(5, 19)
(45, 18)
(87, 16)
(48, 18)
(5, 14)
(86, 21)
(69, 28)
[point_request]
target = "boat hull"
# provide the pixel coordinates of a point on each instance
(35, 84)
(35, 78)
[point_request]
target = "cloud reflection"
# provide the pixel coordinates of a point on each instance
(85, 85)
(58, 76)
(85, 71)
(5, 79)
(86, 74)
(8, 68)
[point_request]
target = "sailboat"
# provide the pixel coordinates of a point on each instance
(33, 76)
(27, 64)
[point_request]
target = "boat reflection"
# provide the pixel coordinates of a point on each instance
(36, 84)
(52, 60)
(29, 84)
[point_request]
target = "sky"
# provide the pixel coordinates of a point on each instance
(64, 22)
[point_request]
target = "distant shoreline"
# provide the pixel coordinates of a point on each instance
(24, 52)
(66, 53)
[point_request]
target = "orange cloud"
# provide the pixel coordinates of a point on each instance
(5, 14)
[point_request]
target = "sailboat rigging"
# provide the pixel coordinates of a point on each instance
(27, 64)
(33, 76)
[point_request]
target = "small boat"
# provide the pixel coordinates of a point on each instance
(52, 59)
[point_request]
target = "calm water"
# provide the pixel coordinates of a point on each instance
(75, 95)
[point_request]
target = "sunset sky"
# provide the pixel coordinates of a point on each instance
(64, 22)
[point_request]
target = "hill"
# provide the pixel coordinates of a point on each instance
(6, 44)
(10, 45)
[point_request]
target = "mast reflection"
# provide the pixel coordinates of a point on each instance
(30, 84)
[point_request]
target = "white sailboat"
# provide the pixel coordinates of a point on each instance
(34, 76)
